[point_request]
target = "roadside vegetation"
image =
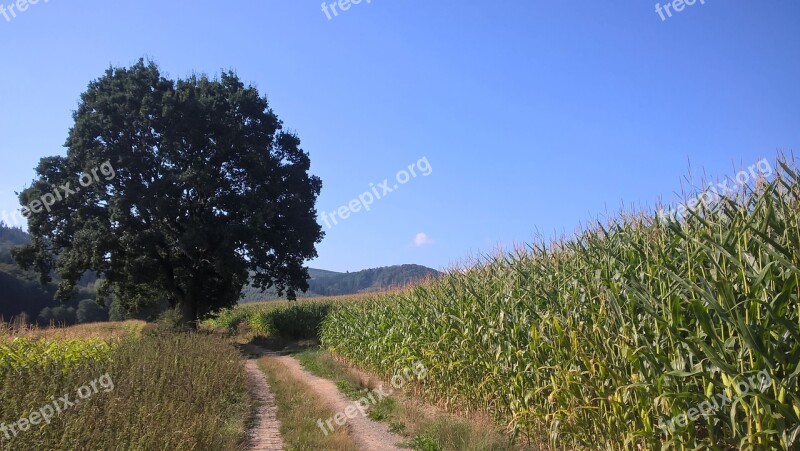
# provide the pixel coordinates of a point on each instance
(295, 320)
(425, 428)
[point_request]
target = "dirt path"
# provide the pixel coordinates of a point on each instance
(265, 435)
(367, 434)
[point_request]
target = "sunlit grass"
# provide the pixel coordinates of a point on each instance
(171, 391)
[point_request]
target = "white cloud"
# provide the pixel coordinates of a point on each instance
(422, 239)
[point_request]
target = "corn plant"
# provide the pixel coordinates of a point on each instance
(25, 353)
(601, 339)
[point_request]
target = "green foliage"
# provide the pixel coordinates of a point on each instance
(291, 320)
(230, 319)
(591, 342)
(382, 410)
(89, 311)
(22, 292)
(9, 238)
(322, 364)
(170, 321)
(25, 354)
(58, 316)
(425, 443)
(199, 185)
(117, 313)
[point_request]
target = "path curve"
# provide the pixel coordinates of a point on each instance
(265, 435)
(367, 434)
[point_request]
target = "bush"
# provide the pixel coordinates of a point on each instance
(300, 320)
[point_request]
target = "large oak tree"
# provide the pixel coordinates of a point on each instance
(206, 186)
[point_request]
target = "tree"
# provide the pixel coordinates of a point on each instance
(64, 316)
(116, 313)
(45, 317)
(198, 183)
(89, 311)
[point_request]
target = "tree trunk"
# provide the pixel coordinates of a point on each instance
(189, 313)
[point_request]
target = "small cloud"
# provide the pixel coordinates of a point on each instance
(422, 239)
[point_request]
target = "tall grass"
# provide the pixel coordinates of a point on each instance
(170, 391)
(590, 342)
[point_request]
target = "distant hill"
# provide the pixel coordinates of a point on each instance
(331, 283)
(20, 291)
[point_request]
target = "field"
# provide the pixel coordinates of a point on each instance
(636, 334)
(109, 386)
(616, 338)
(639, 333)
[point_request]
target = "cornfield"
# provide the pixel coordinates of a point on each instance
(593, 341)
(26, 353)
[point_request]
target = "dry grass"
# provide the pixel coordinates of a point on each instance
(106, 330)
(170, 391)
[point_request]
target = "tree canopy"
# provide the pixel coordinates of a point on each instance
(171, 190)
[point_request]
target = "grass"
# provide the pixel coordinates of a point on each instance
(298, 411)
(169, 392)
(105, 330)
(324, 365)
(425, 428)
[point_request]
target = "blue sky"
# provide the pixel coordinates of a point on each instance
(534, 116)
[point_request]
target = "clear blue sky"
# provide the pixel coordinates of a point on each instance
(534, 116)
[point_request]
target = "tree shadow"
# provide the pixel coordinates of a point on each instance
(259, 347)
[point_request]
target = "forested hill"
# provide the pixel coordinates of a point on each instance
(21, 292)
(10, 237)
(330, 283)
(367, 280)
